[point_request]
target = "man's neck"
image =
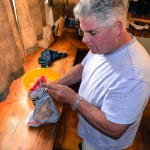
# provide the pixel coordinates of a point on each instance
(124, 39)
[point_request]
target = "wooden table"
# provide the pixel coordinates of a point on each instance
(14, 135)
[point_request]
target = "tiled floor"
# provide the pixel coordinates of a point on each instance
(71, 140)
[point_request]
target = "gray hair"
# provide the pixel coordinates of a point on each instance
(105, 12)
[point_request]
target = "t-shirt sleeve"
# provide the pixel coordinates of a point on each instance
(125, 101)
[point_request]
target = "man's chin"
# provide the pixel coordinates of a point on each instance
(93, 51)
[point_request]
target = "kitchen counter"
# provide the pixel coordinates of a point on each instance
(14, 110)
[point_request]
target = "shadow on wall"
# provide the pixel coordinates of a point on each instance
(145, 42)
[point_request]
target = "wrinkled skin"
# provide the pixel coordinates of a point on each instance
(61, 93)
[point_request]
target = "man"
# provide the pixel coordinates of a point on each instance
(115, 78)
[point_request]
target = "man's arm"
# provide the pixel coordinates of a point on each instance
(72, 77)
(96, 117)
(90, 112)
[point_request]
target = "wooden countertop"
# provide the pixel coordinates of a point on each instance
(14, 110)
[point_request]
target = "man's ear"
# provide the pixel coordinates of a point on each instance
(118, 27)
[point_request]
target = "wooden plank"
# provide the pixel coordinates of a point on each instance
(14, 110)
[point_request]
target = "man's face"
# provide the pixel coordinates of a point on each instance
(100, 40)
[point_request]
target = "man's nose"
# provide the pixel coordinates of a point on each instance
(85, 38)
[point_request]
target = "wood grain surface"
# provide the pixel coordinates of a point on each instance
(14, 135)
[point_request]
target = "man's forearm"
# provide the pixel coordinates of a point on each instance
(72, 77)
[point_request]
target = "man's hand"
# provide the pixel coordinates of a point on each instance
(61, 93)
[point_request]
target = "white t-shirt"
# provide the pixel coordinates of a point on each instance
(119, 85)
